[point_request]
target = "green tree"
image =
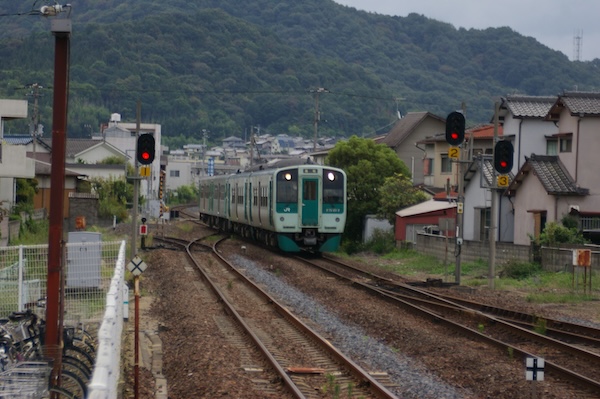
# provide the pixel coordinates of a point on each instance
(184, 195)
(114, 194)
(398, 192)
(26, 189)
(367, 165)
(113, 160)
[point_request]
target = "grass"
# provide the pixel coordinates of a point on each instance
(32, 233)
(537, 285)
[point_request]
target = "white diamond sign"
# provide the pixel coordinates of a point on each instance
(136, 266)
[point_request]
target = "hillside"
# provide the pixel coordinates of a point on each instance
(226, 66)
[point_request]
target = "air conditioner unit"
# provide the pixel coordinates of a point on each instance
(573, 208)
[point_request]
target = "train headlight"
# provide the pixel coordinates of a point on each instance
(287, 176)
(331, 176)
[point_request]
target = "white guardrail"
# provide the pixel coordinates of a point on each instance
(107, 369)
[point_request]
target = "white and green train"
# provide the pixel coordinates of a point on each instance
(294, 207)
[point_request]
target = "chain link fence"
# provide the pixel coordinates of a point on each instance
(88, 269)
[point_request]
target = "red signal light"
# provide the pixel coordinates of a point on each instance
(454, 135)
(145, 149)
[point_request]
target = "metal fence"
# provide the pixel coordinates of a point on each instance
(88, 269)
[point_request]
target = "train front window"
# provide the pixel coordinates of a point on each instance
(287, 186)
(333, 187)
(310, 190)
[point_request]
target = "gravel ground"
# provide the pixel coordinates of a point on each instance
(423, 358)
(412, 379)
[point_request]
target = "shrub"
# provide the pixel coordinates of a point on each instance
(381, 242)
(520, 270)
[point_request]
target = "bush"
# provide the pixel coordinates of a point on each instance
(520, 270)
(555, 233)
(381, 242)
(351, 247)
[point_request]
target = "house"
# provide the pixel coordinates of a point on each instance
(402, 138)
(561, 182)
(479, 188)
(43, 176)
(416, 218)
(441, 171)
(234, 142)
(524, 117)
(13, 160)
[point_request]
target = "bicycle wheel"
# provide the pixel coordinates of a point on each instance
(78, 353)
(77, 366)
(71, 382)
(86, 345)
(62, 393)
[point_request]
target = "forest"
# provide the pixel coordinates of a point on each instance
(229, 66)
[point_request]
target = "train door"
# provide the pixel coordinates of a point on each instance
(310, 202)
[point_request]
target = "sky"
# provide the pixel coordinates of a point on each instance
(554, 23)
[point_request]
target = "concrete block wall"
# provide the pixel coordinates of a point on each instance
(471, 251)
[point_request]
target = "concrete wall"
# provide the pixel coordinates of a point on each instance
(561, 259)
(552, 259)
(471, 251)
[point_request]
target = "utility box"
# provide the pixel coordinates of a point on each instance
(84, 260)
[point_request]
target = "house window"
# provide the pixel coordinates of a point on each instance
(446, 164)
(174, 173)
(551, 147)
(565, 144)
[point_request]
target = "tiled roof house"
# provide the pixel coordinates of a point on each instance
(409, 130)
(561, 180)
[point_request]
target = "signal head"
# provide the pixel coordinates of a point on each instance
(455, 128)
(145, 149)
(503, 157)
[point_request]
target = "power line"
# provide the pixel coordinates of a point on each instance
(33, 11)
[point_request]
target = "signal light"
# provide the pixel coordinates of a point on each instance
(503, 157)
(145, 149)
(455, 128)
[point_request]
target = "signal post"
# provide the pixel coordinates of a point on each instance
(503, 164)
(455, 136)
(145, 153)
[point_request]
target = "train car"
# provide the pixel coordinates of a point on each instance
(292, 206)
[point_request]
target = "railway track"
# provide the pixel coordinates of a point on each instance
(571, 351)
(305, 363)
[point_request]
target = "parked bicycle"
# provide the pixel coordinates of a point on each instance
(22, 342)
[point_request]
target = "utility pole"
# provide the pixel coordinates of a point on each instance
(35, 117)
(317, 114)
(136, 182)
(494, 206)
(251, 145)
(61, 29)
(204, 135)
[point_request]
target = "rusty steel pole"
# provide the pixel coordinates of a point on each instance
(61, 28)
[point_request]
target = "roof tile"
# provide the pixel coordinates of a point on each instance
(529, 106)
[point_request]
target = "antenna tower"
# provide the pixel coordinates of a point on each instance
(577, 45)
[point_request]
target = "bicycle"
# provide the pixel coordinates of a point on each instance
(21, 341)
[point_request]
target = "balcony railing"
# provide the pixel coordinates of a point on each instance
(590, 223)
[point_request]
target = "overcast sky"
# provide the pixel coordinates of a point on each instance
(554, 23)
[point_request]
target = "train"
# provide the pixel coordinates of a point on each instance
(295, 205)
